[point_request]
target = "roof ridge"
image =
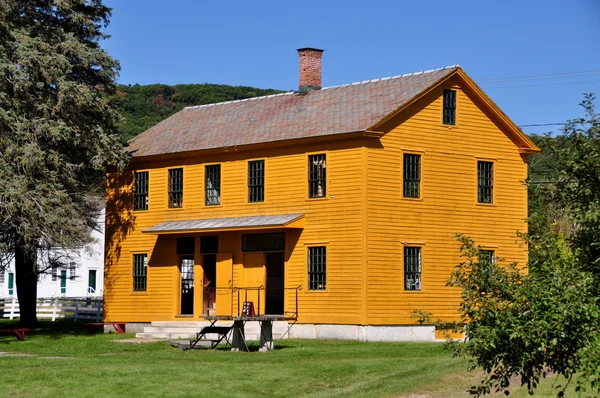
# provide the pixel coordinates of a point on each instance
(393, 77)
(324, 88)
(240, 100)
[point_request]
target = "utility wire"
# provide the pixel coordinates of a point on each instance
(547, 84)
(540, 125)
(566, 74)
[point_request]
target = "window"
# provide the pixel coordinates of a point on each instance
(317, 268)
(140, 266)
(449, 107)
(488, 255)
(175, 188)
(317, 176)
(412, 268)
(185, 245)
(212, 185)
(209, 244)
(256, 181)
(141, 191)
(412, 175)
(485, 181)
(263, 242)
(72, 271)
(54, 273)
(2, 277)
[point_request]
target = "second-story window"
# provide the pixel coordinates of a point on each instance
(412, 268)
(256, 181)
(485, 181)
(317, 176)
(175, 188)
(412, 175)
(449, 107)
(212, 184)
(141, 190)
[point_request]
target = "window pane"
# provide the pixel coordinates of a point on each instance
(175, 188)
(140, 265)
(485, 181)
(209, 244)
(412, 268)
(317, 268)
(141, 190)
(185, 245)
(263, 242)
(412, 175)
(317, 176)
(212, 185)
(449, 112)
(256, 181)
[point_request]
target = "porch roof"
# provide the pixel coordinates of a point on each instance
(227, 224)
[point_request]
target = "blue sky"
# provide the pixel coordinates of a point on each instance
(549, 45)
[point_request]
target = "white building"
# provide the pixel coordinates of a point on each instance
(84, 277)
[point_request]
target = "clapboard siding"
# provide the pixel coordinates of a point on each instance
(448, 205)
(336, 220)
(364, 221)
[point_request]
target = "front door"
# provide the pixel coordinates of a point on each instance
(275, 283)
(187, 285)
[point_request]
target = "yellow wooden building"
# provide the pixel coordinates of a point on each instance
(336, 206)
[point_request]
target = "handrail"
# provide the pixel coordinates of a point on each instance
(258, 289)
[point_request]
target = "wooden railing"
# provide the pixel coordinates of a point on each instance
(78, 309)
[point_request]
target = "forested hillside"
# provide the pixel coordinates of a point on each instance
(144, 106)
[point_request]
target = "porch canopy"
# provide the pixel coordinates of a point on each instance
(227, 224)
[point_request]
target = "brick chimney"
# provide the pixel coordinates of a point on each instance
(310, 69)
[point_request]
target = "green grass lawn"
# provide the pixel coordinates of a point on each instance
(69, 362)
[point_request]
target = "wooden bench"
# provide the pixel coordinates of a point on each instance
(19, 332)
(94, 326)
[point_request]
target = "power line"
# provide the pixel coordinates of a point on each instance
(490, 79)
(543, 124)
(547, 84)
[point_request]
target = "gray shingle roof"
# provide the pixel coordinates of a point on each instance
(223, 223)
(331, 110)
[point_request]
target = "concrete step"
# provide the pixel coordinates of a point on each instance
(184, 324)
(165, 336)
(164, 329)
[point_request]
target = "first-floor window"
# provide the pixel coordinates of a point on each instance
(72, 271)
(140, 266)
(412, 268)
(317, 267)
(54, 273)
(488, 255)
(1, 277)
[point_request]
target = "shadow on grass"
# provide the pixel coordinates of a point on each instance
(53, 330)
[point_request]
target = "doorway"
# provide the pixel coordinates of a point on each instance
(209, 264)
(187, 285)
(275, 293)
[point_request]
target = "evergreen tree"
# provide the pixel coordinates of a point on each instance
(57, 130)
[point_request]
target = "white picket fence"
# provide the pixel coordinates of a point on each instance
(78, 309)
